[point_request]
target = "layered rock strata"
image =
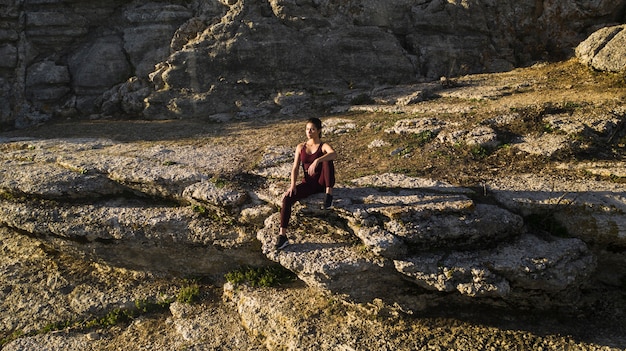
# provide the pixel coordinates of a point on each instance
(186, 59)
(164, 209)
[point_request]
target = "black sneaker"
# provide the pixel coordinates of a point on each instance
(282, 242)
(328, 202)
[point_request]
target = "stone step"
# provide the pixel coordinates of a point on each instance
(375, 240)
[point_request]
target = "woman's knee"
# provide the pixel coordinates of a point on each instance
(288, 201)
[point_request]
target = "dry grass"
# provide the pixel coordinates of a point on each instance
(532, 92)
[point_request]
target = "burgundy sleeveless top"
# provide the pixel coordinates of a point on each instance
(307, 159)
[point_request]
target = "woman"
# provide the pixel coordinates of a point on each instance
(317, 159)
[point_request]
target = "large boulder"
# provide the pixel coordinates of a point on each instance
(605, 49)
(584, 212)
(95, 68)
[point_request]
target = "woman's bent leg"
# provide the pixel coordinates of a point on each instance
(327, 180)
(285, 211)
(303, 190)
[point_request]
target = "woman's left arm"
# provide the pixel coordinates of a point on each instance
(329, 154)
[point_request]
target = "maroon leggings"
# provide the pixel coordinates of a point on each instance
(309, 186)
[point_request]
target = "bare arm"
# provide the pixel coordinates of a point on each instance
(329, 155)
(295, 171)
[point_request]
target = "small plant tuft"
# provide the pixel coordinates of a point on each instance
(260, 276)
(219, 182)
(199, 209)
(422, 138)
(189, 293)
(13, 336)
(479, 151)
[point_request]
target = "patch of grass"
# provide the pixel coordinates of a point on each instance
(219, 182)
(112, 318)
(334, 308)
(13, 336)
(479, 151)
(402, 170)
(216, 215)
(124, 315)
(424, 137)
(572, 105)
(200, 209)
(616, 80)
(188, 293)
(6, 196)
(617, 179)
(260, 276)
(213, 214)
(548, 129)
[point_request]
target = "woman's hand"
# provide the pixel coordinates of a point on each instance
(312, 168)
(291, 191)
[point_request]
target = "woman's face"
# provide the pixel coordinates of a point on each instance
(312, 131)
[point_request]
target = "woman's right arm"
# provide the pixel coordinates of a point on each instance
(295, 171)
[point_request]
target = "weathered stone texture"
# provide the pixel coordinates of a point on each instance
(209, 57)
(605, 49)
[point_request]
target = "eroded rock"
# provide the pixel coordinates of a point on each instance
(528, 263)
(443, 241)
(213, 57)
(599, 214)
(605, 49)
(417, 126)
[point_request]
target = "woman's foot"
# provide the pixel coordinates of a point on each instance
(282, 242)
(328, 201)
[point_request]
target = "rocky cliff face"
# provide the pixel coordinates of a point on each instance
(98, 219)
(181, 59)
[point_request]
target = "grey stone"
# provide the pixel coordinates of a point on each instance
(482, 136)
(605, 49)
(599, 214)
(8, 56)
(47, 81)
(217, 193)
(417, 126)
(436, 240)
(98, 66)
(528, 263)
(200, 56)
